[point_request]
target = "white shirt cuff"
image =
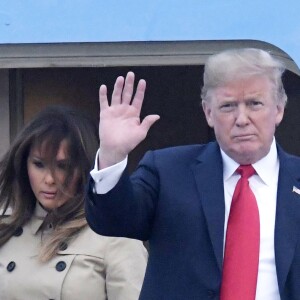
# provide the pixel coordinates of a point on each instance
(107, 178)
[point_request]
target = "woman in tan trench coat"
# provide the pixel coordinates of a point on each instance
(47, 251)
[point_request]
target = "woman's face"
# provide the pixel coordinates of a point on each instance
(47, 180)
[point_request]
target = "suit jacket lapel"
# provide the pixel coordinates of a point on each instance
(287, 216)
(208, 173)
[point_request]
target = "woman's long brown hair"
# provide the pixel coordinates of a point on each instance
(49, 128)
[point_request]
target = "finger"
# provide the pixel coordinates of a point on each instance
(128, 88)
(149, 121)
(117, 93)
(138, 99)
(103, 101)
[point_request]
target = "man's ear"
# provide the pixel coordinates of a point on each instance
(207, 111)
(280, 113)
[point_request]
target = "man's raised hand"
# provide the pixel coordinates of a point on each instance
(120, 127)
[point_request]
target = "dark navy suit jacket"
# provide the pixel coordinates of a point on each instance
(175, 199)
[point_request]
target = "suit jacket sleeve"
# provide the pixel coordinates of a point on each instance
(128, 209)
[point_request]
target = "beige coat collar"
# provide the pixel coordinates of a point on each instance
(37, 218)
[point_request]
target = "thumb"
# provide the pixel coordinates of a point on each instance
(149, 121)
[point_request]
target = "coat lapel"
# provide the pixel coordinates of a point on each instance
(208, 172)
(287, 215)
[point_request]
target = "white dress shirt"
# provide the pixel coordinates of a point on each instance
(264, 187)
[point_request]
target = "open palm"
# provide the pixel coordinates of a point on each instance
(120, 127)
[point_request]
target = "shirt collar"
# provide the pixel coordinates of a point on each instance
(267, 168)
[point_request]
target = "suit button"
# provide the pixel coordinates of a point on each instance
(92, 202)
(10, 267)
(60, 266)
(18, 231)
(63, 246)
(211, 294)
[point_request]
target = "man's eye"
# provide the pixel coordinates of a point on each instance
(227, 106)
(255, 103)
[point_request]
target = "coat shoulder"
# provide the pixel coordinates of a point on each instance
(183, 153)
(87, 242)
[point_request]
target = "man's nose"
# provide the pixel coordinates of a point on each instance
(242, 116)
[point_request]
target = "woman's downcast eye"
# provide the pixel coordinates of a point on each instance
(38, 164)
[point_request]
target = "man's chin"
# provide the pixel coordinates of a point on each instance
(247, 154)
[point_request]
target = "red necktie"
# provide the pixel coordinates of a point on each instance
(241, 256)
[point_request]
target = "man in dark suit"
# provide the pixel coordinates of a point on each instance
(181, 198)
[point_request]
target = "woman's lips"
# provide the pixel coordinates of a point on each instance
(49, 195)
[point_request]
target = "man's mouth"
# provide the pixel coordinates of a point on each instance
(243, 137)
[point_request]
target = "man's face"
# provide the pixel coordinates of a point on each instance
(244, 115)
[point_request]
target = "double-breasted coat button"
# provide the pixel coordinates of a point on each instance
(18, 231)
(60, 266)
(10, 267)
(63, 246)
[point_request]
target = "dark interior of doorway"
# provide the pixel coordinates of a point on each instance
(173, 92)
